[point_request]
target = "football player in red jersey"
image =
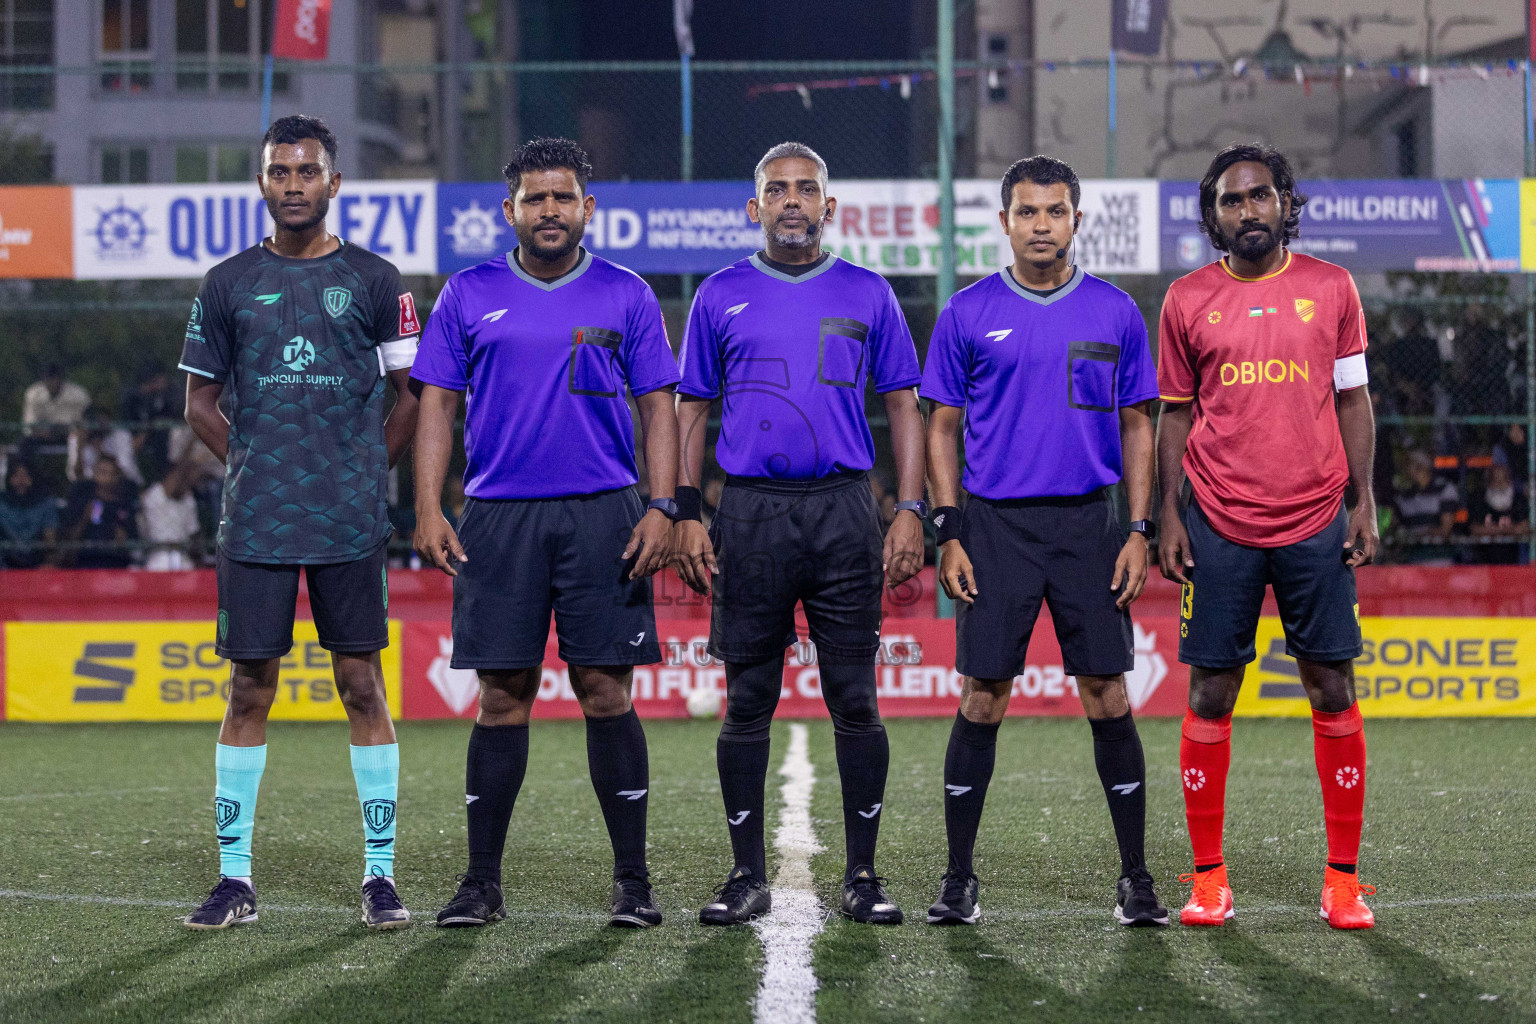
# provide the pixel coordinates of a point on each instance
(1265, 410)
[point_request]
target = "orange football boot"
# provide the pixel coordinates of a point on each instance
(1342, 905)
(1211, 902)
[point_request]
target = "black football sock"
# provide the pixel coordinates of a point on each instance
(498, 758)
(863, 758)
(743, 764)
(621, 775)
(1123, 772)
(1348, 869)
(967, 773)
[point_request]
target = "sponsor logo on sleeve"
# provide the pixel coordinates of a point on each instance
(409, 324)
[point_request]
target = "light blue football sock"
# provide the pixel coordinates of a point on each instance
(377, 772)
(237, 777)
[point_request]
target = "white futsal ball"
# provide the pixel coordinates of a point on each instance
(705, 702)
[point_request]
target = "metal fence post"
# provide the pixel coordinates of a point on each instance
(1530, 332)
(687, 149)
(946, 268)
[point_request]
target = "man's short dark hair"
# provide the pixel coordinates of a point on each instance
(547, 155)
(1279, 169)
(1041, 170)
(295, 128)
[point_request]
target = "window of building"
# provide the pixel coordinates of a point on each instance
(125, 54)
(124, 165)
(219, 45)
(214, 162)
(26, 37)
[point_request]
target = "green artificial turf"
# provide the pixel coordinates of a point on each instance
(106, 839)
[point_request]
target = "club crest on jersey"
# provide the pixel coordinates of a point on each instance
(378, 815)
(336, 301)
(226, 811)
(1306, 309)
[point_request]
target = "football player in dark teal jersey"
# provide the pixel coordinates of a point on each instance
(302, 330)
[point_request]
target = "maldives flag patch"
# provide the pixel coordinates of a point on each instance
(408, 323)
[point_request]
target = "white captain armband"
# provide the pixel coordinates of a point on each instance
(397, 355)
(1349, 372)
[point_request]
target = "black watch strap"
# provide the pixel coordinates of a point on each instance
(1146, 527)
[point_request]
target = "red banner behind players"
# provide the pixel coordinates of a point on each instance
(303, 29)
(915, 674)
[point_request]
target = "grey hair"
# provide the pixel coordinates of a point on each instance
(788, 150)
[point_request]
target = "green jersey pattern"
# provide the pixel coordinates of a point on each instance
(295, 343)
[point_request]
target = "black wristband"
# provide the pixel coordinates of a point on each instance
(690, 504)
(946, 523)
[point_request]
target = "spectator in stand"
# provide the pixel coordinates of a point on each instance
(1499, 509)
(168, 520)
(101, 516)
(152, 399)
(53, 405)
(1426, 513)
(1412, 362)
(1481, 369)
(29, 519)
(99, 438)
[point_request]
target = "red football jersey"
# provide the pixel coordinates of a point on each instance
(1261, 359)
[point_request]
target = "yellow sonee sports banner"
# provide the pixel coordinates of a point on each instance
(160, 672)
(1411, 668)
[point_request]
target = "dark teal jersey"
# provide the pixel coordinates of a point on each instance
(296, 344)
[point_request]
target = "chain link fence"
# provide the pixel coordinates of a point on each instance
(1451, 345)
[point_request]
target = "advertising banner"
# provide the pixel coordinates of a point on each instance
(1412, 668)
(1376, 225)
(167, 231)
(160, 672)
(35, 235)
(915, 674)
(651, 227)
(892, 227)
(302, 29)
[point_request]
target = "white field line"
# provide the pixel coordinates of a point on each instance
(787, 992)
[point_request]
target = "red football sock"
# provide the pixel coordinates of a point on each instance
(1338, 740)
(1205, 754)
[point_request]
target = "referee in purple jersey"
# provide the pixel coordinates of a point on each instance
(788, 339)
(1050, 371)
(544, 341)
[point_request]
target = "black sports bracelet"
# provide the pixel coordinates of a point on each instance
(690, 504)
(946, 523)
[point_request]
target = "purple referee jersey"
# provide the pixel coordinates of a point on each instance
(1041, 380)
(545, 365)
(791, 356)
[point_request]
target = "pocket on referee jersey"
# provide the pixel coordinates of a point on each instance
(1091, 375)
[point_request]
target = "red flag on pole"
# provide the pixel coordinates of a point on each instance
(302, 30)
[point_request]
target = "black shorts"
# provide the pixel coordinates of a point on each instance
(818, 542)
(1060, 551)
(530, 557)
(1314, 589)
(256, 606)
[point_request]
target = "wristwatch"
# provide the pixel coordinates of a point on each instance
(920, 507)
(1146, 527)
(666, 506)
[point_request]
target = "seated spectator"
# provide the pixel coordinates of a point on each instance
(1426, 513)
(29, 519)
(168, 520)
(98, 438)
(53, 405)
(1499, 509)
(1412, 362)
(101, 516)
(153, 398)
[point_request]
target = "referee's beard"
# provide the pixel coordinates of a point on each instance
(551, 253)
(803, 240)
